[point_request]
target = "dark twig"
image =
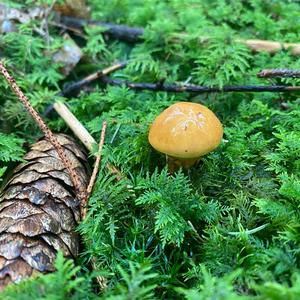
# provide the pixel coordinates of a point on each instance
(119, 32)
(177, 88)
(74, 88)
(271, 73)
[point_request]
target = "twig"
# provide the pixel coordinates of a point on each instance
(81, 133)
(119, 32)
(78, 129)
(270, 46)
(100, 279)
(45, 21)
(90, 78)
(75, 31)
(97, 162)
(81, 192)
(177, 88)
(76, 86)
(271, 73)
(135, 34)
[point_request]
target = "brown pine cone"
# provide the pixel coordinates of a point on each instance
(39, 210)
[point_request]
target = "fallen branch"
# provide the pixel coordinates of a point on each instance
(178, 88)
(81, 192)
(119, 32)
(273, 73)
(74, 88)
(135, 34)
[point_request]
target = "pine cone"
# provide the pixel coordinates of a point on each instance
(39, 210)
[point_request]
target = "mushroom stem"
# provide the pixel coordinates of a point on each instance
(175, 163)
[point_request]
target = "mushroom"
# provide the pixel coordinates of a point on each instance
(184, 132)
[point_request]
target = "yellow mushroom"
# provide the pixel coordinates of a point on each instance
(184, 132)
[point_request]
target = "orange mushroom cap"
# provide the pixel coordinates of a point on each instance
(186, 130)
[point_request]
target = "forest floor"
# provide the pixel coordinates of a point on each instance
(228, 228)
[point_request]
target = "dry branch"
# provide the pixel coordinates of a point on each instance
(76, 86)
(270, 46)
(272, 73)
(80, 132)
(178, 88)
(96, 168)
(119, 32)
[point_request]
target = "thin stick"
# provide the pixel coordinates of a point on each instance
(90, 78)
(120, 32)
(272, 73)
(81, 193)
(96, 166)
(270, 46)
(46, 19)
(177, 88)
(102, 281)
(78, 129)
(83, 135)
(76, 86)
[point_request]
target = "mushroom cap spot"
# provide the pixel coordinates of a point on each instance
(186, 130)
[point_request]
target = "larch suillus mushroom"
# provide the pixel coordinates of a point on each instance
(184, 132)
